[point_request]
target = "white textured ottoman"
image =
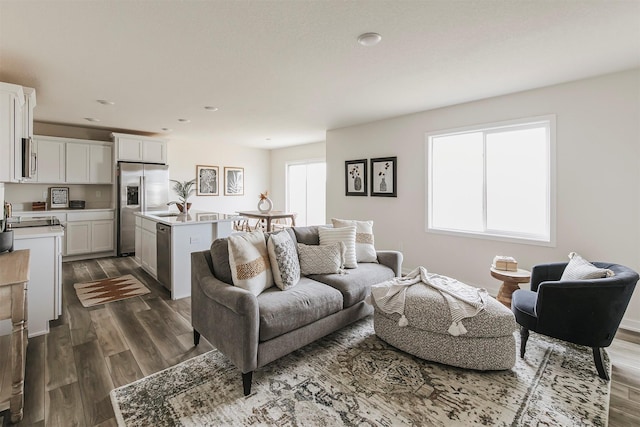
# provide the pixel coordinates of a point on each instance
(489, 343)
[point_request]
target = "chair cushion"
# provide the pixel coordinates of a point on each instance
(581, 269)
(355, 285)
(523, 305)
(285, 311)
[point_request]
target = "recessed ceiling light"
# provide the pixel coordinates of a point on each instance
(167, 129)
(184, 120)
(369, 39)
(105, 102)
(211, 108)
(91, 119)
(267, 139)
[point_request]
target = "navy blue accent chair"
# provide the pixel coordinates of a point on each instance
(585, 312)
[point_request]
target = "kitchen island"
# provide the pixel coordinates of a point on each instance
(165, 241)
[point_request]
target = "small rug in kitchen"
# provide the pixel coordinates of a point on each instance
(109, 290)
(353, 378)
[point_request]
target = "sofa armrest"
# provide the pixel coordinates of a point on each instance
(227, 316)
(392, 259)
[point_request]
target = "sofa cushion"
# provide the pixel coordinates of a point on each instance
(346, 235)
(356, 284)
(285, 311)
(220, 260)
(321, 259)
(306, 235)
(283, 256)
(249, 261)
(365, 249)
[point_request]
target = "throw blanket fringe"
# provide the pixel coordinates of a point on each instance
(464, 301)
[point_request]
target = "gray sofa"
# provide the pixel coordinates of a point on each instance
(253, 331)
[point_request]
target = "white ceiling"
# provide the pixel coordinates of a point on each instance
(290, 70)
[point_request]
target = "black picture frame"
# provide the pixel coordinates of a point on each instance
(207, 180)
(384, 177)
(59, 197)
(355, 177)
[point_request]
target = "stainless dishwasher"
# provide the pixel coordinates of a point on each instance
(163, 236)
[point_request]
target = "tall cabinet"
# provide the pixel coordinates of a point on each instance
(16, 122)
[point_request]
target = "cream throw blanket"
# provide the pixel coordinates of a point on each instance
(463, 300)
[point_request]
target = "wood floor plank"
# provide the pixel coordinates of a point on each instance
(60, 365)
(110, 267)
(95, 382)
(182, 307)
(123, 368)
(618, 418)
(64, 409)
(138, 340)
(111, 422)
(165, 341)
(109, 337)
(82, 329)
(176, 324)
(34, 400)
(193, 351)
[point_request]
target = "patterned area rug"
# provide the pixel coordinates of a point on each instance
(109, 290)
(353, 378)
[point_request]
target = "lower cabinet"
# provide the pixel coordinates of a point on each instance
(146, 246)
(89, 232)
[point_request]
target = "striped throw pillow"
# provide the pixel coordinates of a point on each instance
(579, 268)
(365, 249)
(346, 235)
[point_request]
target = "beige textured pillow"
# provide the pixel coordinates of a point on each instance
(581, 269)
(249, 262)
(365, 249)
(320, 259)
(346, 235)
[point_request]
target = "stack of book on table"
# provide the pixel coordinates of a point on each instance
(505, 263)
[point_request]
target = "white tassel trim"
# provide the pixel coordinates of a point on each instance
(457, 329)
(403, 321)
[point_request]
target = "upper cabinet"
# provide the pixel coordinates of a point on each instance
(73, 161)
(134, 148)
(16, 121)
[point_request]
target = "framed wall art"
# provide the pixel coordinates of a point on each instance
(207, 180)
(355, 177)
(384, 177)
(59, 197)
(233, 181)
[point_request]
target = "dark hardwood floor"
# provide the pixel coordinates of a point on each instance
(90, 351)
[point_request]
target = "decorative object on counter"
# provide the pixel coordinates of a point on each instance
(8, 210)
(265, 205)
(207, 184)
(505, 263)
(39, 206)
(76, 204)
(355, 172)
(59, 197)
(384, 177)
(6, 238)
(109, 290)
(233, 181)
(183, 190)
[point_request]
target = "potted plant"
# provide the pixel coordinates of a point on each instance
(183, 189)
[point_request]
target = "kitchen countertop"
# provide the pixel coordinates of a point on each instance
(36, 232)
(193, 217)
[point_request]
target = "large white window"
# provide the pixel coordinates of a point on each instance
(306, 191)
(494, 180)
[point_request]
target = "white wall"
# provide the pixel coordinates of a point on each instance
(280, 158)
(184, 156)
(598, 180)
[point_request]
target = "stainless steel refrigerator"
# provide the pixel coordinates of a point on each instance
(142, 187)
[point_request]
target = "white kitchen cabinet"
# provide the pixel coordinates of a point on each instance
(11, 129)
(133, 148)
(89, 232)
(146, 250)
(138, 240)
(88, 163)
(50, 161)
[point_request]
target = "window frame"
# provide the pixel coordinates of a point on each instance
(540, 240)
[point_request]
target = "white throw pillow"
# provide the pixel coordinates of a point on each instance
(283, 256)
(365, 249)
(346, 235)
(579, 268)
(249, 262)
(321, 259)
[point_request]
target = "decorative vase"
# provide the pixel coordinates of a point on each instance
(265, 205)
(357, 183)
(383, 185)
(182, 209)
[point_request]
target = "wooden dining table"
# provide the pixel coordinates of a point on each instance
(269, 216)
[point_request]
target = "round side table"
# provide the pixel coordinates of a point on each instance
(510, 281)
